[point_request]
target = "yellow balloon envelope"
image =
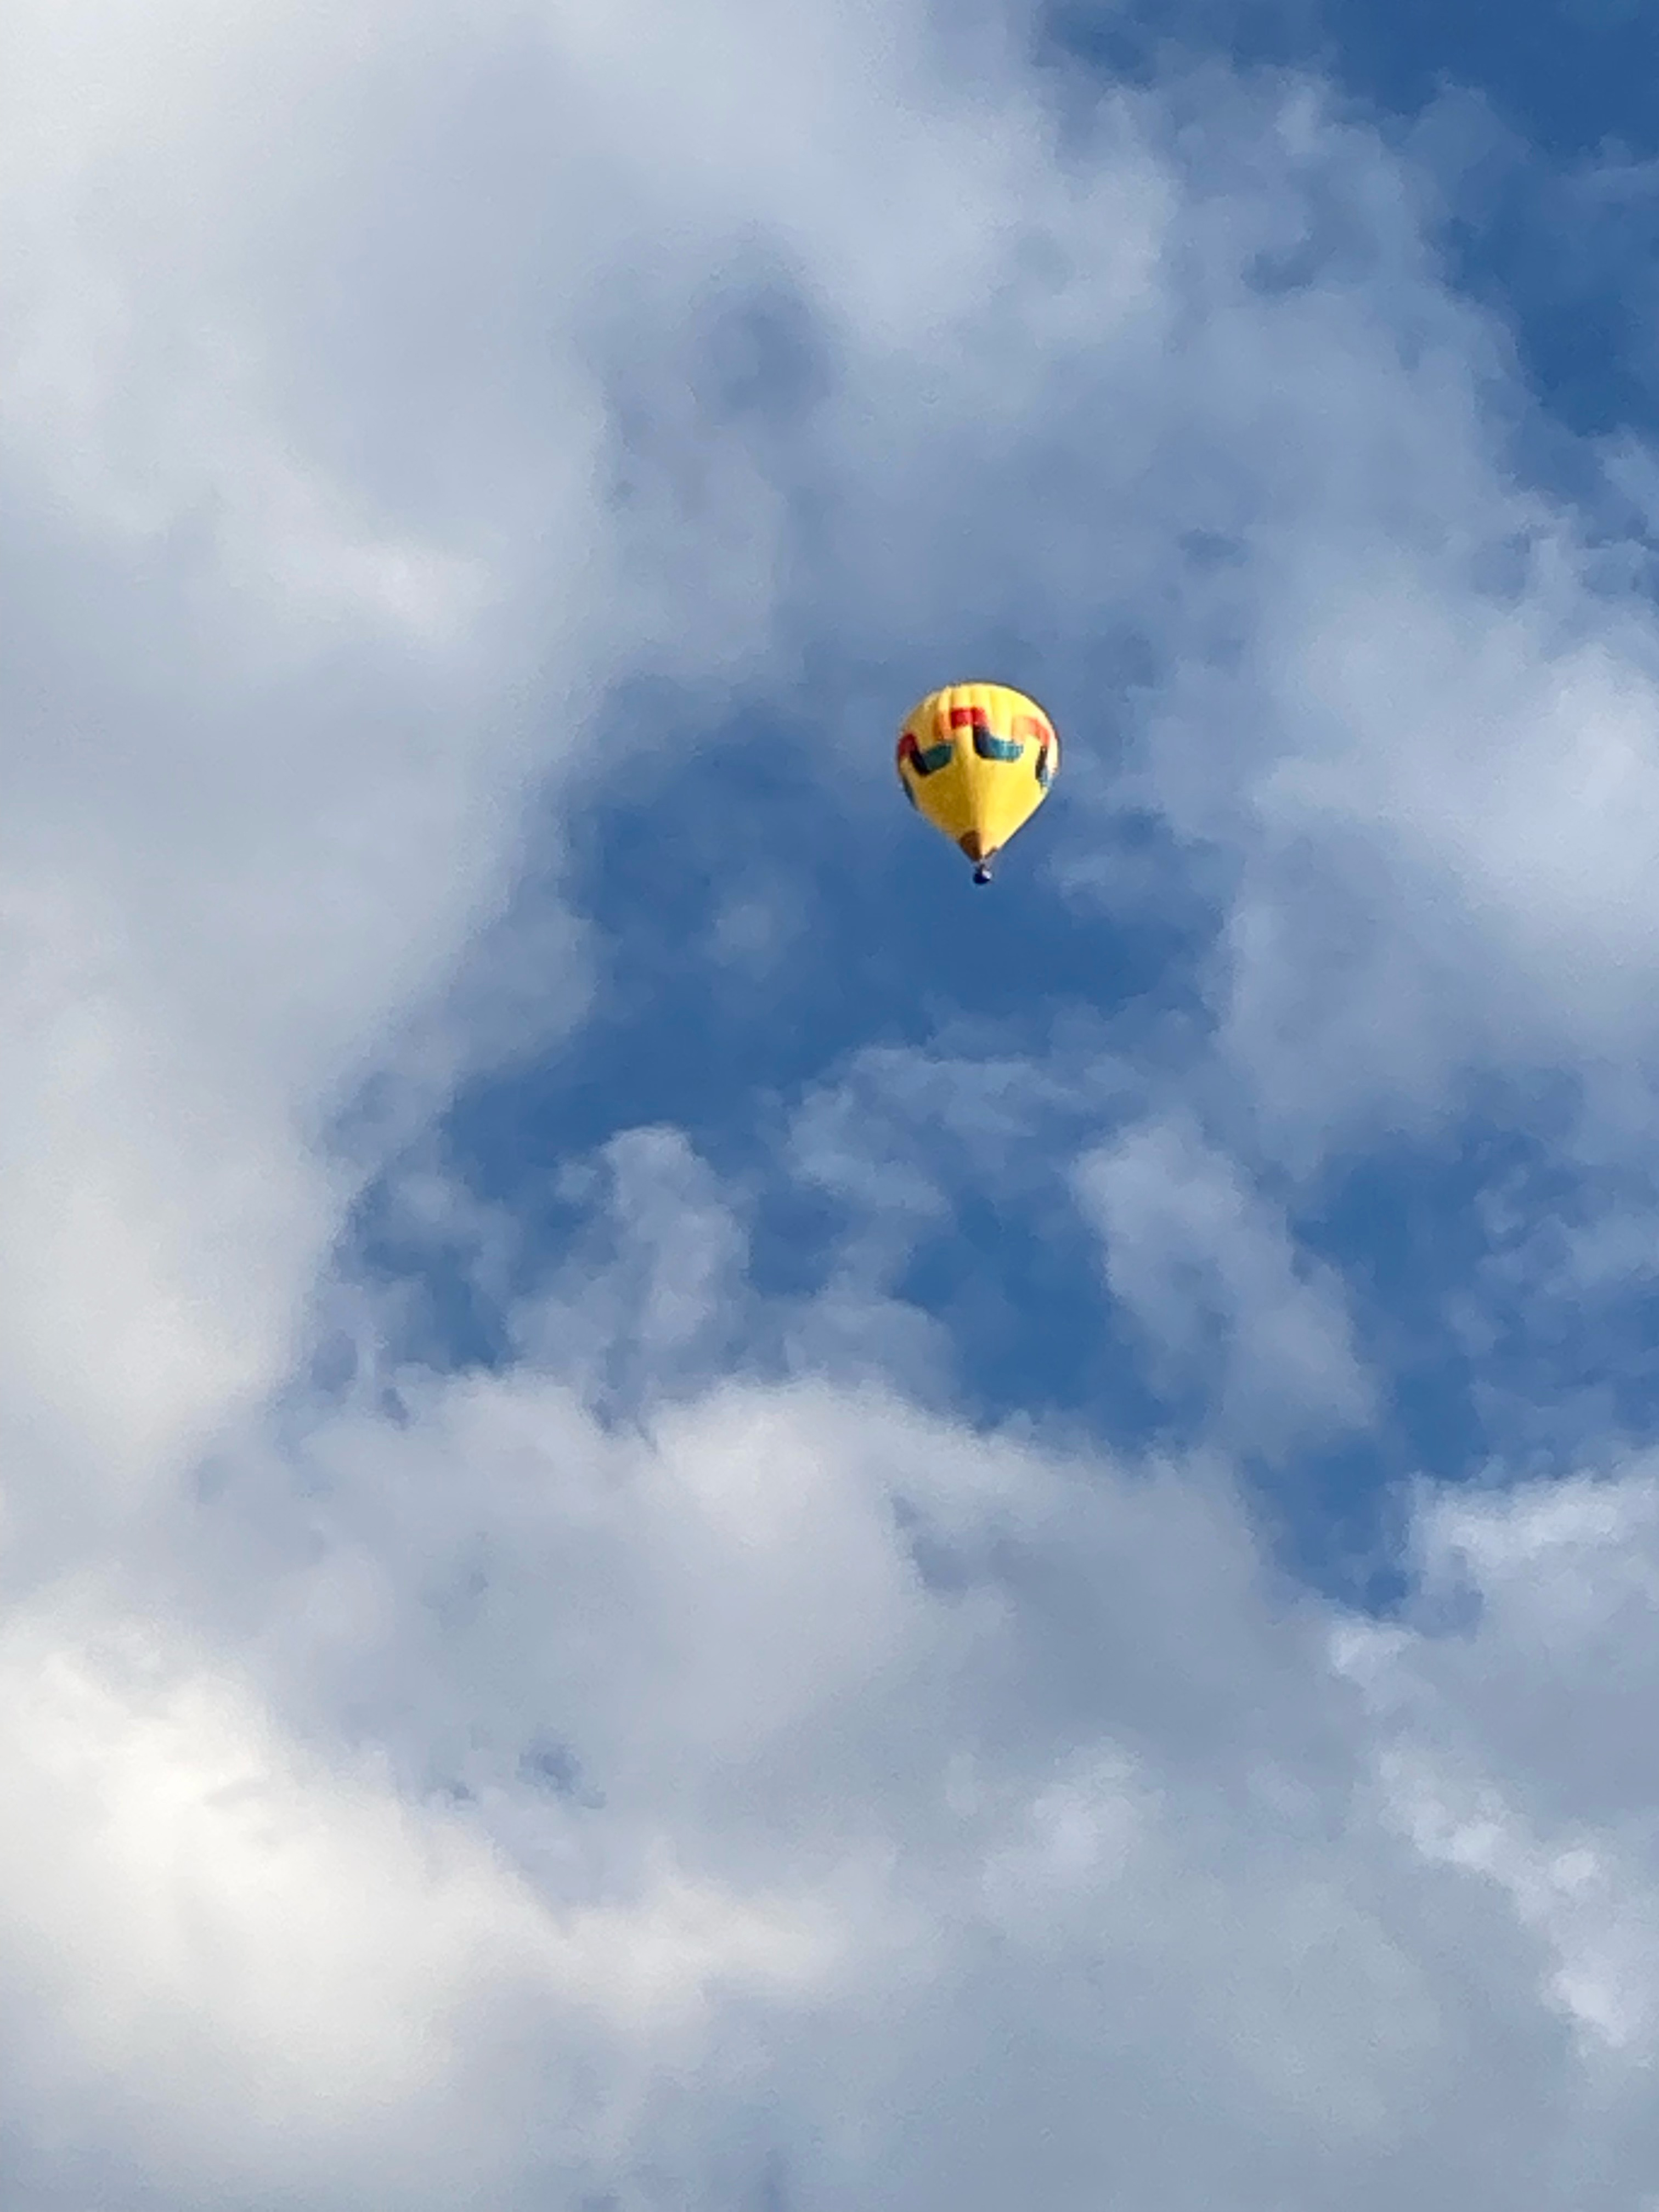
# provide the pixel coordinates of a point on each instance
(977, 759)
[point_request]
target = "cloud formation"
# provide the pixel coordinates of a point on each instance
(732, 1733)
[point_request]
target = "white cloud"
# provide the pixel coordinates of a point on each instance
(1506, 1750)
(657, 1287)
(613, 1782)
(942, 1810)
(1209, 1266)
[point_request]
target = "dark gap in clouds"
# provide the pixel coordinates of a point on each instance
(942, 1567)
(1333, 1515)
(1561, 252)
(1140, 40)
(1399, 1226)
(1032, 1327)
(1569, 75)
(757, 352)
(549, 1765)
(792, 1229)
(772, 2192)
(447, 1318)
(758, 933)
(738, 370)
(1465, 1258)
(1511, 112)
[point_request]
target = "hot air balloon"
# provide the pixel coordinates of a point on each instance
(977, 759)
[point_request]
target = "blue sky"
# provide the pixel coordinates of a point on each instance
(691, 1518)
(762, 937)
